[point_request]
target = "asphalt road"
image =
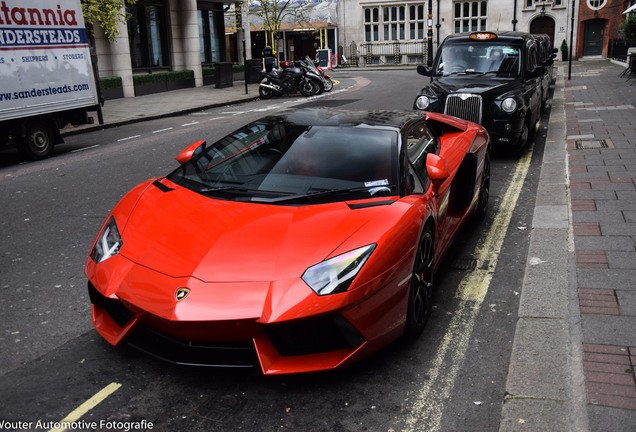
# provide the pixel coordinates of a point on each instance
(52, 361)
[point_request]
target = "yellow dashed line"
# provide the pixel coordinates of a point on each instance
(427, 409)
(75, 415)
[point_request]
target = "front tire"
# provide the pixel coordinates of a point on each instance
(420, 292)
(38, 141)
(484, 190)
(307, 88)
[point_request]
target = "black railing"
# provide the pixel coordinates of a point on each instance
(384, 53)
(618, 48)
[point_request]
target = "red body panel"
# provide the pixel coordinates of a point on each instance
(242, 263)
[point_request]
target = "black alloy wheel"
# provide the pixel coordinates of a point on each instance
(420, 292)
(484, 190)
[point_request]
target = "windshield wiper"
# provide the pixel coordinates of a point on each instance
(331, 192)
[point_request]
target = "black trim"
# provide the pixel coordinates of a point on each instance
(162, 187)
(191, 353)
(355, 206)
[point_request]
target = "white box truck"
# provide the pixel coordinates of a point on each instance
(46, 74)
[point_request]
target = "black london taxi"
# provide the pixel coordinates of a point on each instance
(489, 78)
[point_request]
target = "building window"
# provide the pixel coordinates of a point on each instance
(394, 22)
(371, 24)
(596, 4)
(209, 42)
(147, 35)
(393, 19)
(470, 16)
(417, 21)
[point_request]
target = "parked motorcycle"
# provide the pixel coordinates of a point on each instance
(327, 82)
(288, 80)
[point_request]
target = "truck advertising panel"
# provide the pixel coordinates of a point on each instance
(45, 63)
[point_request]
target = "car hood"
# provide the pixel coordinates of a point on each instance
(477, 85)
(183, 234)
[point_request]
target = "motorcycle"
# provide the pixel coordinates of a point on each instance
(288, 79)
(327, 82)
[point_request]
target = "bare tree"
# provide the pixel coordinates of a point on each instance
(275, 12)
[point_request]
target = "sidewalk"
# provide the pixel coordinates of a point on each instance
(601, 144)
(574, 353)
(117, 112)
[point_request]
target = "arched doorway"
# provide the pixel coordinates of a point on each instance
(593, 37)
(543, 25)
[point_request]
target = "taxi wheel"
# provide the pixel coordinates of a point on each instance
(523, 140)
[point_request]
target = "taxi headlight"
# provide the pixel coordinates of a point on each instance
(509, 105)
(422, 102)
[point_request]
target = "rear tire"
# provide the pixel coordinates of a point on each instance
(38, 141)
(420, 292)
(328, 84)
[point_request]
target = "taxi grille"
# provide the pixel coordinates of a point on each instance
(467, 107)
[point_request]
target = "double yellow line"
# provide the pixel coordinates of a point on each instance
(428, 407)
(76, 414)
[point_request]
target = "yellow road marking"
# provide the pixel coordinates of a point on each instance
(427, 409)
(75, 415)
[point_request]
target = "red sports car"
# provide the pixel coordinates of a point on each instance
(301, 242)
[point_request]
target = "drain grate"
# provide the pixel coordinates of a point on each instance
(591, 144)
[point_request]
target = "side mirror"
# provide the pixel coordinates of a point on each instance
(424, 70)
(191, 151)
(437, 170)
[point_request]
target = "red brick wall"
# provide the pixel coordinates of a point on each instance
(611, 14)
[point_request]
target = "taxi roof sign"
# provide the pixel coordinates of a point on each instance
(483, 36)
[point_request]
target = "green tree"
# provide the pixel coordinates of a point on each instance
(107, 13)
(629, 27)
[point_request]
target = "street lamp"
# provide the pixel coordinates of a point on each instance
(571, 41)
(429, 34)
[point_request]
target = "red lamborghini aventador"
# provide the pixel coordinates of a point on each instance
(301, 242)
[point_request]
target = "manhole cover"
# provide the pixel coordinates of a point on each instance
(591, 144)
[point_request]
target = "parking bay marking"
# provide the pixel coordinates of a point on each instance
(76, 414)
(428, 407)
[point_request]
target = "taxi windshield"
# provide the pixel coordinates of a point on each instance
(482, 58)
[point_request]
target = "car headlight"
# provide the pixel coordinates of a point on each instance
(422, 102)
(108, 242)
(509, 105)
(336, 274)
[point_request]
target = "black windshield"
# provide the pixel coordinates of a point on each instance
(275, 163)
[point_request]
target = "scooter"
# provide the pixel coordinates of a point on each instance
(328, 83)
